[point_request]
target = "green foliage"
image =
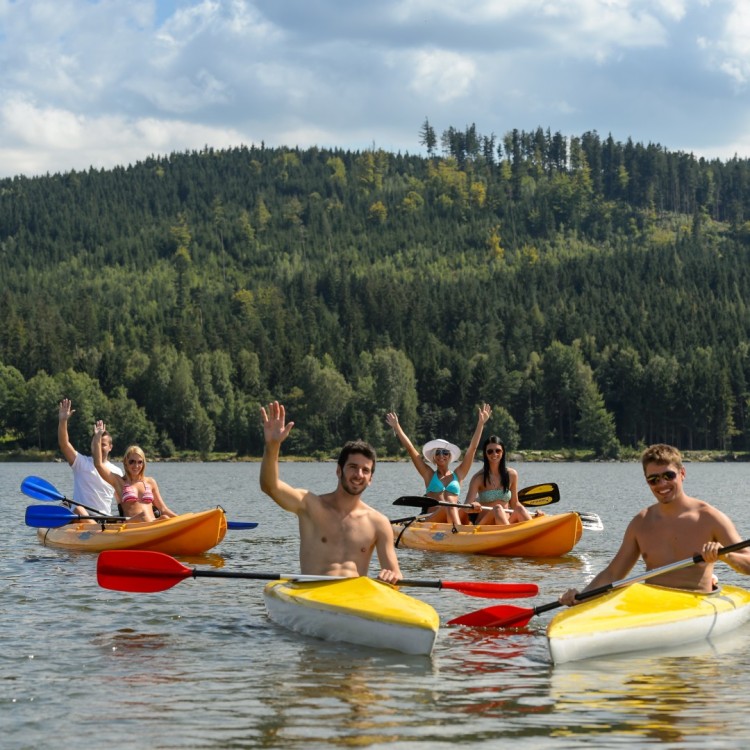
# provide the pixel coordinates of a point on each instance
(593, 292)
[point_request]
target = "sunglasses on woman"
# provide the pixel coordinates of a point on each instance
(493, 451)
(669, 475)
(442, 452)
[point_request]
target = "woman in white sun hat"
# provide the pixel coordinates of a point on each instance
(441, 482)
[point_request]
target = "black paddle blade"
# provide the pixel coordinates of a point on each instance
(539, 494)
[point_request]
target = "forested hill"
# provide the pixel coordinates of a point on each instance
(594, 292)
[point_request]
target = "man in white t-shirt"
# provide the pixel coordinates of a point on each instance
(88, 487)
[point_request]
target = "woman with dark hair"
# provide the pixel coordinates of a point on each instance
(496, 485)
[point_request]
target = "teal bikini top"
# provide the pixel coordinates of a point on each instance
(435, 485)
(492, 496)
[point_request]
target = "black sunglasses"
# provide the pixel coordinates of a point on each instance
(669, 475)
(442, 452)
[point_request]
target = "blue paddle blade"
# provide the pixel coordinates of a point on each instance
(41, 489)
(241, 524)
(42, 517)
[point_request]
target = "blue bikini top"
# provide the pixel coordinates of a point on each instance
(453, 487)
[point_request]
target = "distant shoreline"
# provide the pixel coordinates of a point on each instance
(529, 456)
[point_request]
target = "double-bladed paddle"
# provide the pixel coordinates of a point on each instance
(534, 496)
(588, 520)
(44, 517)
(517, 617)
(41, 489)
(145, 572)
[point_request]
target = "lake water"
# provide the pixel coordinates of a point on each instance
(201, 666)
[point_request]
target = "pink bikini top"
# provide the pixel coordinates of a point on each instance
(130, 495)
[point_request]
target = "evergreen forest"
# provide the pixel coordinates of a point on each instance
(594, 292)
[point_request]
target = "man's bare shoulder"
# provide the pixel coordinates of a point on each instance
(710, 511)
(376, 514)
(645, 514)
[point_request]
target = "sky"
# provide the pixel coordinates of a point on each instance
(101, 83)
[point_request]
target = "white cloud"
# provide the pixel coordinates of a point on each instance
(441, 75)
(134, 76)
(735, 44)
(39, 139)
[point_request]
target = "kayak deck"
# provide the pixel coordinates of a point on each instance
(542, 536)
(643, 617)
(186, 534)
(360, 611)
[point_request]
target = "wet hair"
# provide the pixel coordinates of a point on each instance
(504, 476)
(134, 450)
(357, 446)
(661, 453)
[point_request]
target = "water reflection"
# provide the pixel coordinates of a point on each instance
(357, 694)
(666, 697)
(213, 559)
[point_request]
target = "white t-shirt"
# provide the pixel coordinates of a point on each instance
(89, 488)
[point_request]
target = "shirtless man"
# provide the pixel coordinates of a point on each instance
(338, 532)
(674, 528)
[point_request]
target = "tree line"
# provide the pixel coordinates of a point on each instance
(592, 291)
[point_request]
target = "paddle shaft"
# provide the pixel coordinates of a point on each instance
(468, 506)
(536, 495)
(300, 578)
(686, 563)
(146, 571)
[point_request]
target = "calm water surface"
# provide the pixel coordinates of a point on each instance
(201, 666)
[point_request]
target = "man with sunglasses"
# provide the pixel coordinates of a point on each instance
(88, 487)
(338, 532)
(674, 528)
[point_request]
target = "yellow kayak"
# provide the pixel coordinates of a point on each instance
(643, 617)
(543, 536)
(186, 534)
(360, 610)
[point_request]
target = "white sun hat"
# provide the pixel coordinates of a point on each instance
(428, 450)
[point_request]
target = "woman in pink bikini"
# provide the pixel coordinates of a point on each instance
(136, 493)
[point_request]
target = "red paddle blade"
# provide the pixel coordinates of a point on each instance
(495, 617)
(139, 571)
(493, 590)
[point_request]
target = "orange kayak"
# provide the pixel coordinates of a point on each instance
(543, 536)
(186, 534)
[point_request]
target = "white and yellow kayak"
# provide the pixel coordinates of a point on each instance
(360, 610)
(644, 617)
